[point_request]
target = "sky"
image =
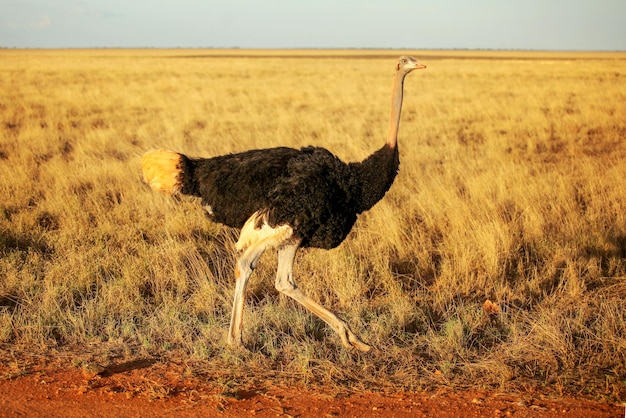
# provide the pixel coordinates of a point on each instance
(401, 24)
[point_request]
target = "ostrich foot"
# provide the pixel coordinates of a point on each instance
(349, 339)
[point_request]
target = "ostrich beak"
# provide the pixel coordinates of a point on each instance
(419, 66)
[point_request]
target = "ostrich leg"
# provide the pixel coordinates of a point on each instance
(253, 241)
(245, 266)
(285, 284)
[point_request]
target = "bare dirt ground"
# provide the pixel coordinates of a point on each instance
(141, 388)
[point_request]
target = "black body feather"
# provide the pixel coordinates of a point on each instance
(310, 189)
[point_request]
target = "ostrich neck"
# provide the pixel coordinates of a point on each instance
(396, 109)
(377, 172)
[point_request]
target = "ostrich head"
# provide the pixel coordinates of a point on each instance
(407, 64)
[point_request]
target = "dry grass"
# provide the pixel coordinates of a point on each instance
(511, 189)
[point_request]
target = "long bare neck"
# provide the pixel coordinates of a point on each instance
(378, 171)
(396, 109)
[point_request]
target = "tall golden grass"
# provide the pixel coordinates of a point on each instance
(511, 189)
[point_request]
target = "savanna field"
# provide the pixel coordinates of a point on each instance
(511, 190)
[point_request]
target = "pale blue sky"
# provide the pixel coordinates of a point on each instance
(411, 24)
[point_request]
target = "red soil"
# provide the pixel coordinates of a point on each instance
(146, 388)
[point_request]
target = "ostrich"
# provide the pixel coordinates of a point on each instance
(285, 198)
